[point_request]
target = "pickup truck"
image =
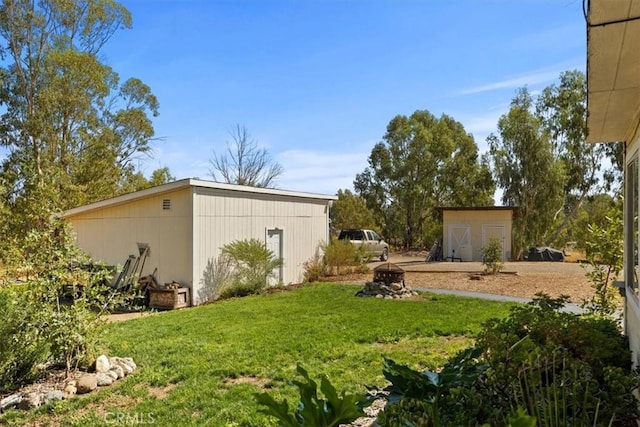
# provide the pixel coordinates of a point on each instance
(374, 244)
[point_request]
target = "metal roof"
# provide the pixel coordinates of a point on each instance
(190, 182)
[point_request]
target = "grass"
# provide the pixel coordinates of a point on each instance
(201, 366)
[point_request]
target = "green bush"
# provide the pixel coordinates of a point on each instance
(562, 369)
(342, 256)
(252, 267)
(22, 346)
(314, 268)
(38, 322)
(312, 409)
(492, 256)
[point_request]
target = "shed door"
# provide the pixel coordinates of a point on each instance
(460, 241)
(493, 232)
(274, 244)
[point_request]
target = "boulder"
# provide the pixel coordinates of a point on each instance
(118, 370)
(119, 361)
(104, 379)
(70, 390)
(52, 396)
(86, 384)
(10, 401)
(129, 361)
(30, 400)
(112, 374)
(102, 364)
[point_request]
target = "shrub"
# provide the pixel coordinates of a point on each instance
(37, 324)
(492, 256)
(556, 368)
(342, 256)
(605, 259)
(252, 265)
(314, 268)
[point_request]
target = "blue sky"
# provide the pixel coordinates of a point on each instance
(316, 82)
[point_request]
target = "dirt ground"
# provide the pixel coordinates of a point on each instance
(519, 279)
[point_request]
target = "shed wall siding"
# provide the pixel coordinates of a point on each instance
(111, 234)
(221, 217)
(475, 220)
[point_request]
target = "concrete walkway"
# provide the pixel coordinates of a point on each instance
(568, 308)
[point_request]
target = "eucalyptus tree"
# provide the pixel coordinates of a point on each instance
(423, 162)
(71, 127)
(67, 115)
(527, 171)
(351, 211)
(562, 109)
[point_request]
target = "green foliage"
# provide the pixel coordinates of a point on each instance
(313, 410)
(605, 255)
(436, 390)
(72, 129)
(314, 268)
(22, 347)
(252, 265)
(351, 211)
(542, 358)
(541, 365)
(423, 162)
(40, 322)
(492, 256)
(341, 256)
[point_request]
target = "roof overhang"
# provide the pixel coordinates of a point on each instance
(514, 209)
(188, 183)
(613, 70)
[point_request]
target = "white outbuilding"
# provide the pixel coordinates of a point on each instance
(183, 225)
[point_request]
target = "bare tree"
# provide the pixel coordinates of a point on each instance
(244, 162)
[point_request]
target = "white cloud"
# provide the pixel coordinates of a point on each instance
(536, 77)
(320, 172)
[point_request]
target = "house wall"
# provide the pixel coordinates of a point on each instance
(222, 216)
(632, 243)
(475, 220)
(111, 234)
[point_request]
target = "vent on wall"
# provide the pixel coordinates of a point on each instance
(166, 204)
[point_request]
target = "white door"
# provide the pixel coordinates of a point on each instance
(493, 232)
(274, 244)
(459, 242)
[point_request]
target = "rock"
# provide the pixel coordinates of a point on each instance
(118, 361)
(118, 370)
(70, 391)
(30, 400)
(10, 401)
(102, 364)
(379, 296)
(86, 384)
(129, 361)
(396, 286)
(112, 374)
(104, 379)
(52, 396)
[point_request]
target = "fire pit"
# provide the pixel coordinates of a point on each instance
(388, 273)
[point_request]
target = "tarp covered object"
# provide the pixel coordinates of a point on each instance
(545, 254)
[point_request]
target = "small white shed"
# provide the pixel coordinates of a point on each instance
(466, 230)
(185, 223)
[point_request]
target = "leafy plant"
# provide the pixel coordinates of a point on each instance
(433, 389)
(313, 410)
(252, 264)
(492, 256)
(605, 260)
(314, 268)
(342, 256)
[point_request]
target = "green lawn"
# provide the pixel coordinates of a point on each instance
(202, 365)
